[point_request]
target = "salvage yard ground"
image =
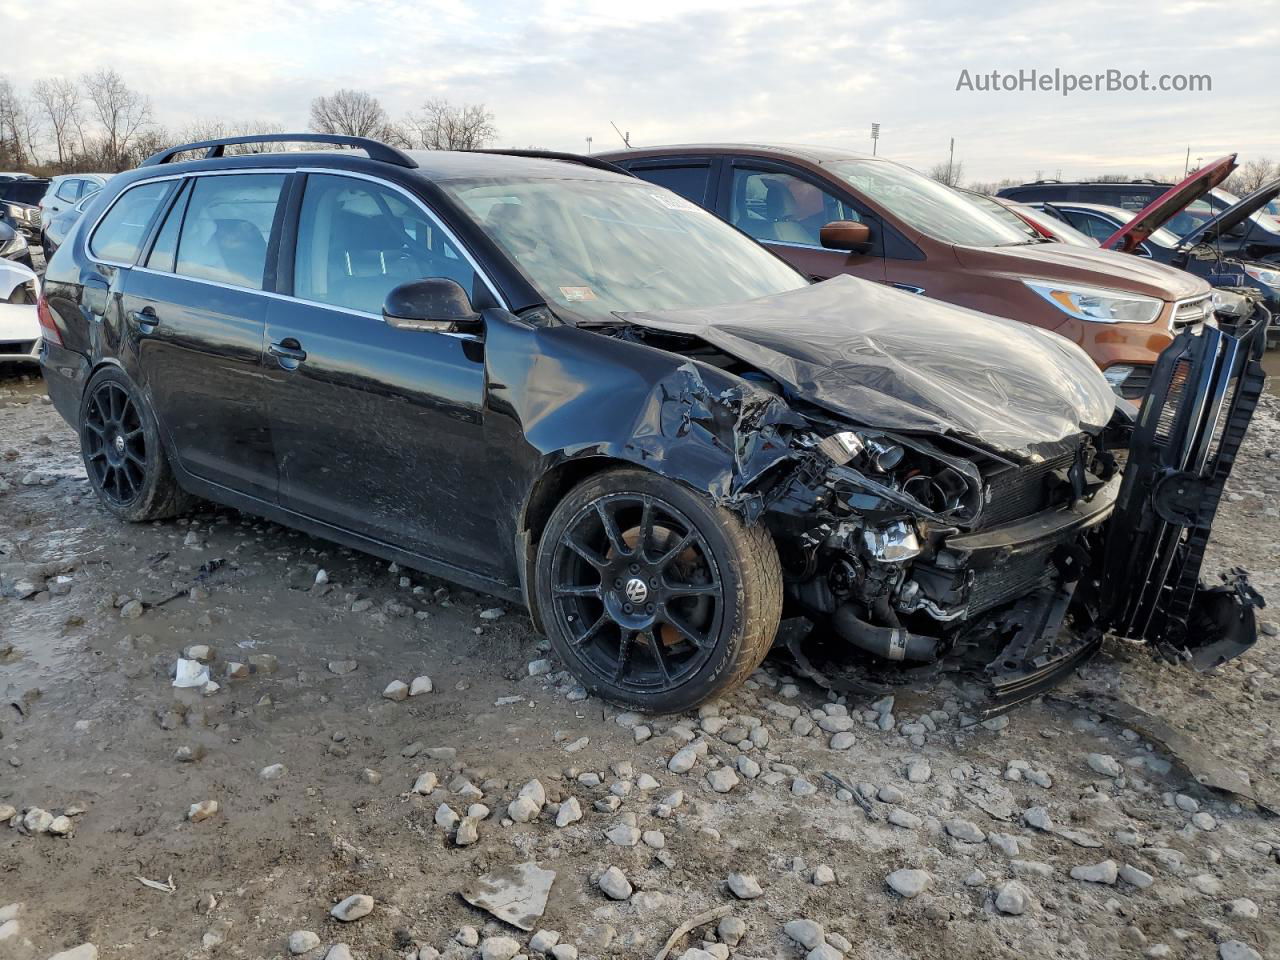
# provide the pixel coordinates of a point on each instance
(312, 768)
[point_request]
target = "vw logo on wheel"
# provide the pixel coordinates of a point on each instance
(636, 590)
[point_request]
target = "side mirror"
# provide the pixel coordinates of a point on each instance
(434, 303)
(845, 235)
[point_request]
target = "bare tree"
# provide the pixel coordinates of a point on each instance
(19, 127)
(218, 129)
(1252, 175)
(952, 174)
(120, 112)
(59, 99)
(439, 125)
(352, 113)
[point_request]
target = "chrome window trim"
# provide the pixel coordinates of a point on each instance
(287, 171)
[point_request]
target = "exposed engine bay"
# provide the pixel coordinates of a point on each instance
(931, 548)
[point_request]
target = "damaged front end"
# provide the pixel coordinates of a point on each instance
(927, 547)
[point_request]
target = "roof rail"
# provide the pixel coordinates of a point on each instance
(376, 149)
(1150, 180)
(1047, 180)
(581, 158)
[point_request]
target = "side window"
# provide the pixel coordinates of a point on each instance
(119, 235)
(1087, 223)
(688, 180)
(68, 190)
(357, 240)
(777, 206)
(226, 228)
(164, 252)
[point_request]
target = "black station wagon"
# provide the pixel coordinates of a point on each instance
(545, 379)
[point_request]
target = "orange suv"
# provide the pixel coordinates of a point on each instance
(828, 211)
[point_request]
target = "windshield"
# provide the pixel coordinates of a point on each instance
(926, 205)
(24, 191)
(593, 247)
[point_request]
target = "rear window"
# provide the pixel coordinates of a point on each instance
(120, 234)
(25, 191)
(689, 179)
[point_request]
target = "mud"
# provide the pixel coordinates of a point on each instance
(89, 718)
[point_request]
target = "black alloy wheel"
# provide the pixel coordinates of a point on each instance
(653, 596)
(638, 589)
(115, 445)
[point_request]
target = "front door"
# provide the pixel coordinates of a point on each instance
(197, 313)
(786, 210)
(378, 430)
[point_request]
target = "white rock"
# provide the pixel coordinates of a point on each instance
(86, 951)
(446, 817)
(824, 951)
(353, 908)
(683, 759)
(731, 930)
(564, 951)
(623, 835)
(339, 951)
(274, 772)
(614, 884)
(1139, 878)
(1237, 950)
(919, 771)
(807, 933)
(904, 818)
(570, 812)
(419, 686)
(539, 668)
(1104, 871)
(1244, 908)
(543, 941)
(1012, 898)
(522, 809)
(535, 792)
(842, 741)
(744, 886)
(426, 783)
(965, 830)
(302, 941)
(498, 948)
(202, 810)
(723, 779)
(62, 827)
(468, 831)
(1105, 764)
(908, 883)
(1038, 817)
(396, 690)
(823, 875)
(1204, 821)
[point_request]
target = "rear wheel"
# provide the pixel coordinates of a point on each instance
(120, 444)
(652, 596)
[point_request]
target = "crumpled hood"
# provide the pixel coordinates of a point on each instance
(890, 360)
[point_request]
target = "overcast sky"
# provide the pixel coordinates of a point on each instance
(557, 71)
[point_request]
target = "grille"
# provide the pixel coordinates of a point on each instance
(19, 349)
(1188, 313)
(1010, 580)
(1018, 492)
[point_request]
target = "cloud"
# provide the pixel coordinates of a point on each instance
(557, 71)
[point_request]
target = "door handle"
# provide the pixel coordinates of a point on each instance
(146, 320)
(288, 353)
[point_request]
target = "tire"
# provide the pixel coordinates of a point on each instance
(663, 620)
(122, 452)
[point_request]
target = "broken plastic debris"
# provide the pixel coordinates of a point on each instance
(166, 887)
(516, 894)
(190, 673)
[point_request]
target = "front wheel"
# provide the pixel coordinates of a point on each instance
(120, 444)
(652, 596)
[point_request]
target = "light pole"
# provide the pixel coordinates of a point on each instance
(588, 146)
(875, 137)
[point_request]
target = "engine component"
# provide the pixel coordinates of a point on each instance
(891, 643)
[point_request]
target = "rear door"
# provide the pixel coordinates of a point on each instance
(785, 209)
(378, 430)
(197, 311)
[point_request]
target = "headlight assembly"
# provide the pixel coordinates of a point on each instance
(1267, 275)
(1097, 304)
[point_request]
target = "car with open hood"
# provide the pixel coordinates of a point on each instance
(541, 378)
(1251, 232)
(829, 212)
(1149, 233)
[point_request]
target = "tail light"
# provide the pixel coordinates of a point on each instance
(49, 328)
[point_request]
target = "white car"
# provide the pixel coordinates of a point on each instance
(19, 323)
